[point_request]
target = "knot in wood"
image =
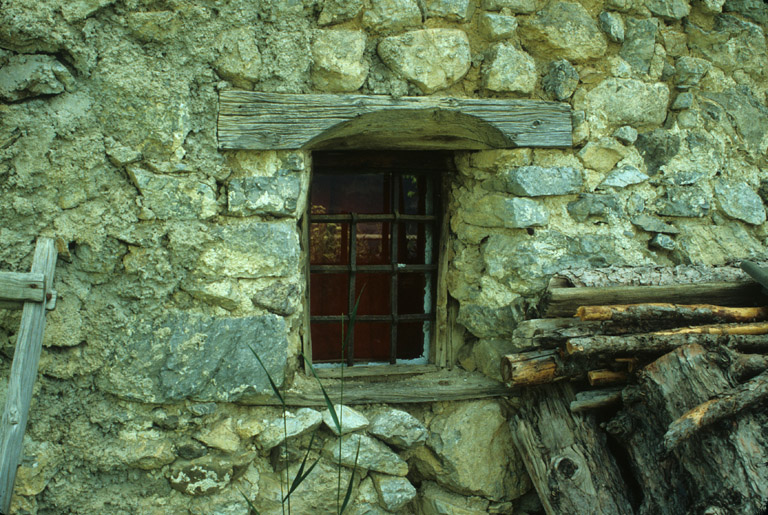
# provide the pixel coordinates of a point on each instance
(566, 467)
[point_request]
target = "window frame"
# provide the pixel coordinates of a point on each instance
(445, 337)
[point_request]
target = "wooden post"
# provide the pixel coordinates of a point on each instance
(23, 373)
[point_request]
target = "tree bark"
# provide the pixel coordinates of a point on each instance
(683, 313)
(658, 343)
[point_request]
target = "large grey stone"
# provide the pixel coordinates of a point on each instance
(515, 6)
(438, 501)
(684, 201)
(511, 212)
(339, 11)
(392, 15)
(394, 492)
(652, 223)
(755, 10)
(732, 44)
(338, 63)
(202, 476)
(628, 102)
(494, 469)
(623, 177)
(433, 59)
(240, 60)
(613, 25)
(191, 356)
(398, 428)
(459, 10)
(497, 26)
(738, 200)
(561, 79)
(27, 76)
(373, 455)
(509, 69)
(657, 148)
(748, 115)
(639, 43)
(669, 9)
(277, 195)
(536, 181)
(174, 197)
(589, 205)
(351, 420)
(490, 321)
(689, 71)
(565, 30)
(291, 425)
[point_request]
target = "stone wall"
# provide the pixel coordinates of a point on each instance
(174, 255)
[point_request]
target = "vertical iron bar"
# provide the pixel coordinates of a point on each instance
(395, 178)
(351, 296)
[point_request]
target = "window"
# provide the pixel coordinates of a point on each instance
(373, 233)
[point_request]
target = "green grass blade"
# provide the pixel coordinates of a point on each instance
(348, 495)
(300, 474)
(271, 382)
(328, 402)
(250, 505)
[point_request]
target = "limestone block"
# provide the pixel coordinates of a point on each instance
(280, 297)
(351, 420)
(613, 25)
(561, 79)
(459, 10)
(486, 355)
(146, 451)
(657, 148)
(627, 102)
(495, 27)
(732, 44)
(433, 59)
(339, 11)
(223, 293)
(652, 223)
(639, 43)
(338, 63)
(192, 356)
(626, 134)
(39, 464)
(373, 455)
(27, 76)
(737, 200)
(602, 155)
(76, 10)
(120, 155)
(669, 9)
(622, 177)
(394, 492)
(317, 494)
(240, 60)
(277, 195)
(748, 115)
(398, 428)
(755, 10)
(251, 249)
(392, 15)
(175, 197)
(563, 30)
(154, 26)
(434, 500)
(515, 6)
(537, 181)
(303, 421)
(684, 201)
(490, 321)
(662, 242)
(589, 205)
(473, 441)
(689, 71)
(220, 435)
(367, 500)
(683, 101)
(202, 476)
(509, 69)
(497, 210)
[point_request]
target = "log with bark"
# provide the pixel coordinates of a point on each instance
(547, 366)
(680, 313)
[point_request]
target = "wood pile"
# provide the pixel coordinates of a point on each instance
(682, 369)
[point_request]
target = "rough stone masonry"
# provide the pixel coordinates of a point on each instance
(174, 255)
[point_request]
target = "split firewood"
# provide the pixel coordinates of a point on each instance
(714, 410)
(606, 377)
(688, 313)
(754, 328)
(532, 368)
(594, 399)
(659, 343)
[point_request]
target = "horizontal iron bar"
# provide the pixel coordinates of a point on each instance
(372, 268)
(374, 318)
(372, 218)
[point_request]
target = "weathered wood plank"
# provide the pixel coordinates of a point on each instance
(566, 455)
(563, 302)
(374, 371)
(594, 399)
(274, 121)
(23, 374)
(21, 287)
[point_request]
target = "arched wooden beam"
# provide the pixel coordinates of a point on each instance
(274, 121)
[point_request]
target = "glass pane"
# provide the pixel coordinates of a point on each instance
(375, 299)
(373, 243)
(372, 341)
(415, 243)
(326, 341)
(329, 244)
(414, 293)
(328, 294)
(413, 192)
(411, 339)
(363, 193)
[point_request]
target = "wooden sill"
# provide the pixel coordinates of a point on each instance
(375, 371)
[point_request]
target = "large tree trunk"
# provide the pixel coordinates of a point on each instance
(723, 465)
(566, 455)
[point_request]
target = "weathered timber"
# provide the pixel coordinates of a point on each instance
(725, 466)
(566, 455)
(564, 302)
(687, 313)
(374, 371)
(606, 377)
(756, 272)
(29, 342)
(726, 405)
(757, 328)
(602, 346)
(274, 121)
(654, 275)
(595, 399)
(21, 287)
(745, 366)
(534, 368)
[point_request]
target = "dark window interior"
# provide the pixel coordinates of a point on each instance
(374, 228)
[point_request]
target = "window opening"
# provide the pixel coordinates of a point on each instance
(374, 225)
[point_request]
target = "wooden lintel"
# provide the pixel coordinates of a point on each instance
(274, 121)
(21, 287)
